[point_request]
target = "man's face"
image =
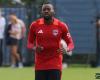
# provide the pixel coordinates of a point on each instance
(47, 11)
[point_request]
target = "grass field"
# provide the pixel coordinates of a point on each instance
(68, 73)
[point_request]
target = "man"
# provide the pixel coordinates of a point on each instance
(98, 40)
(44, 37)
(2, 29)
(66, 55)
(22, 38)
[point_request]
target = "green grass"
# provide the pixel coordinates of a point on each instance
(16, 74)
(80, 73)
(71, 73)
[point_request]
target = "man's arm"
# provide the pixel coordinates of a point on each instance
(67, 37)
(31, 44)
(23, 27)
(31, 37)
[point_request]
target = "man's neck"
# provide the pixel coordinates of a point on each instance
(48, 22)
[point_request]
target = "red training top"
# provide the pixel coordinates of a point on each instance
(49, 37)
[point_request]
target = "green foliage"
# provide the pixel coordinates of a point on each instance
(35, 1)
(28, 1)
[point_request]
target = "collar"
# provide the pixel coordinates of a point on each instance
(55, 22)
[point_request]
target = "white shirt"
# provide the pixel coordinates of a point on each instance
(23, 28)
(16, 28)
(2, 27)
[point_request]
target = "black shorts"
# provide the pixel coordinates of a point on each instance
(52, 74)
(12, 41)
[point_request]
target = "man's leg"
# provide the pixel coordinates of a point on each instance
(41, 75)
(20, 47)
(54, 74)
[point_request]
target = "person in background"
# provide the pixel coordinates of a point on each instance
(2, 30)
(98, 40)
(21, 43)
(13, 35)
(66, 55)
(44, 38)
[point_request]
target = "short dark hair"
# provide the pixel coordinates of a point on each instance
(46, 3)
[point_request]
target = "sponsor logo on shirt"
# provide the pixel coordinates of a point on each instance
(40, 31)
(55, 32)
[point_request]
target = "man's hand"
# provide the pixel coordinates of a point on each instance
(61, 50)
(64, 51)
(38, 49)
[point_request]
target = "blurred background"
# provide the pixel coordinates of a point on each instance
(82, 17)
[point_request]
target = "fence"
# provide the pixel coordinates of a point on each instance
(27, 14)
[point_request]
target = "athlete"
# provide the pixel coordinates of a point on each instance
(44, 37)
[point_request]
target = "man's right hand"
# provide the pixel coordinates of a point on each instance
(38, 49)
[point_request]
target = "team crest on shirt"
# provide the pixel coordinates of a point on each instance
(55, 32)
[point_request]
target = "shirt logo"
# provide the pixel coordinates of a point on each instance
(55, 32)
(68, 35)
(40, 31)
